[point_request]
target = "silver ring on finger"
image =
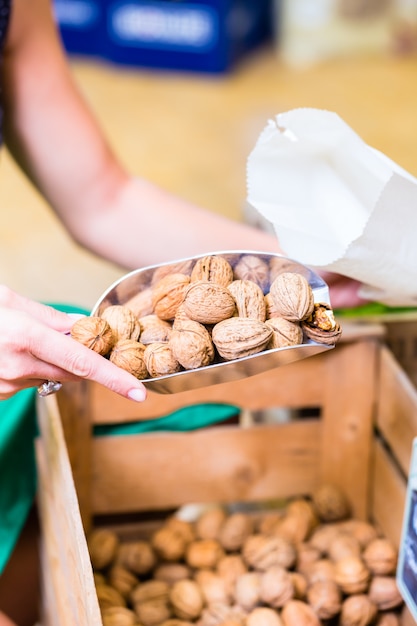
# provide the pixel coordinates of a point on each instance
(48, 387)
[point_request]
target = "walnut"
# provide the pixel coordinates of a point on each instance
(118, 616)
(326, 599)
(191, 345)
(218, 614)
(179, 267)
(122, 321)
(107, 597)
(249, 298)
(321, 326)
(168, 294)
(352, 575)
(137, 556)
(102, 546)
(364, 531)
(344, 545)
(168, 544)
(263, 616)
(320, 570)
(175, 622)
(181, 527)
(152, 613)
(230, 567)
(186, 599)
(239, 337)
(99, 579)
(299, 582)
(262, 552)
(292, 296)
(204, 554)
(306, 555)
(212, 587)
(171, 572)
(298, 521)
(251, 267)
(214, 269)
(383, 591)
(323, 535)
(122, 579)
(267, 522)
(235, 530)
(388, 618)
(380, 556)
(129, 355)
(141, 303)
(153, 329)
(94, 333)
(358, 610)
(276, 587)
(208, 303)
(270, 309)
(330, 503)
(150, 591)
(159, 360)
(248, 590)
(284, 333)
(208, 524)
(298, 613)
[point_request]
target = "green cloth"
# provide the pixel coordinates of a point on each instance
(18, 429)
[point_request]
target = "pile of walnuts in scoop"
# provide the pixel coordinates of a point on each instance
(203, 311)
(309, 564)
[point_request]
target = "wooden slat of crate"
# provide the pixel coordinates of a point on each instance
(397, 409)
(158, 471)
(69, 573)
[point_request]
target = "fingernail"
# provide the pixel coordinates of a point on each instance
(138, 395)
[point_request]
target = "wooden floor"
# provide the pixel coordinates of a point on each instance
(192, 134)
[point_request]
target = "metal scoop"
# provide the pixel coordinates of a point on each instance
(121, 291)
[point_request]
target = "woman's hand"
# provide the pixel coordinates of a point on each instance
(34, 347)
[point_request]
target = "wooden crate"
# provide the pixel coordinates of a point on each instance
(365, 417)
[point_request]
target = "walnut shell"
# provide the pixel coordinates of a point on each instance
(364, 531)
(388, 618)
(298, 613)
(129, 355)
(212, 587)
(208, 524)
(213, 269)
(270, 309)
(204, 554)
(168, 544)
(344, 545)
(249, 298)
(299, 582)
(320, 570)
(284, 333)
(218, 614)
(168, 294)
(263, 616)
(179, 267)
(380, 556)
(352, 575)
(325, 598)
(330, 503)
(358, 610)
(251, 267)
(239, 337)
(108, 597)
(159, 360)
(276, 587)
(137, 556)
(102, 546)
(150, 591)
(229, 568)
(153, 329)
(175, 622)
(208, 303)
(235, 530)
(152, 613)
(118, 616)
(320, 325)
(182, 527)
(94, 333)
(122, 579)
(122, 321)
(298, 522)
(141, 303)
(383, 591)
(323, 535)
(306, 555)
(171, 572)
(261, 552)
(191, 345)
(292, 296)
(186, 599)
(248, 590)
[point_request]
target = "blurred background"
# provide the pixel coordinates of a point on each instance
(183, 89)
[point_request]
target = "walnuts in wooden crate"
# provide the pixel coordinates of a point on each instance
(244, 303)
(211, 572)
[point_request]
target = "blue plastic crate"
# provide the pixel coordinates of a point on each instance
(201, 35)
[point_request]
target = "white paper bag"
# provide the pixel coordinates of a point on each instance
(336, 203)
